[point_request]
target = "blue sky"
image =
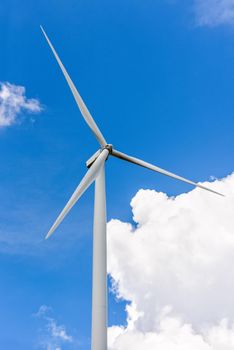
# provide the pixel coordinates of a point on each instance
(158, 79)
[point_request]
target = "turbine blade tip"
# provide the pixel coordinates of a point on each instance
(44, 32)
(210, 190)
(221, 194)
(48, 235)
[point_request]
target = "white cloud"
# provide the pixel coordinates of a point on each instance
(172, 334)
(58, 332)
(214, 12)
(13, 102)
(176, 269)
(54, 335)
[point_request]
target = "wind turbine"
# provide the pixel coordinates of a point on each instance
(96, 172)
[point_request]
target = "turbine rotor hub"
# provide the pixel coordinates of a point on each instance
(109, 148)
(91, 160)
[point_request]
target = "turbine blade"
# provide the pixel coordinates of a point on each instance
(87, 180)
(82, 107)
(140, 162)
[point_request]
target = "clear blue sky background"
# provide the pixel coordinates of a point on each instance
(159, 86)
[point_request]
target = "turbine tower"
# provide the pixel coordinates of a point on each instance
(96, 172)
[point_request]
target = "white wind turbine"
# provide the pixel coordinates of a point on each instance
(96, 172)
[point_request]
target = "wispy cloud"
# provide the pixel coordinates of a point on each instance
(13, 102)
(214, 12)
(53, 336)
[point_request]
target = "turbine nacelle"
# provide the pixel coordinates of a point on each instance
(92, 159)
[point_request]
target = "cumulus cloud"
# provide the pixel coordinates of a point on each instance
(214, 12)
(173, 335)
(175, 268)
(54, 335)
(13, 102)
